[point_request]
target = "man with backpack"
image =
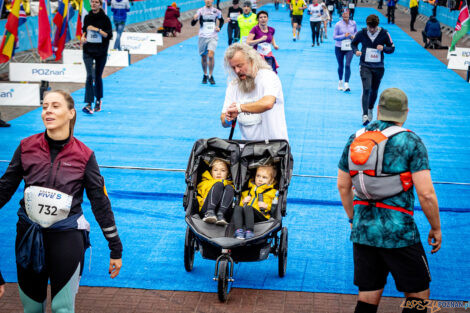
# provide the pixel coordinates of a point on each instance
(383, 162)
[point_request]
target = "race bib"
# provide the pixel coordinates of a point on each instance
(46, 206)
(346, 45)
(373, 55)
(331, 7)
(264, 48)
(93, 37)
(208, 27)
(351, 5)
(234, 15)
(248, 119)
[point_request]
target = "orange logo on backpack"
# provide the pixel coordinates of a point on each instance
(362, 146)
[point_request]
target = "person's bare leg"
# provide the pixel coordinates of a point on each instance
(204, 63)
(368, 301)
(211, 62)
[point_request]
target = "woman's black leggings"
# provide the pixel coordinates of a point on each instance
(94, 75)
(347, 67)
(315, 26)
(219, 196)
(64, 256)
(251, 215)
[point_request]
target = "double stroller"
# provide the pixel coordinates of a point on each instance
(217, 242)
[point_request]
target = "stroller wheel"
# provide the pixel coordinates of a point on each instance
(223, 280)
(282, 254)
(189, 250)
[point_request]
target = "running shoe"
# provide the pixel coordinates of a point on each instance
(204, 79)
(87, 109)
(340, 85)
(293, 39)
(346, 87)
(4, 124)
(313, 44)
(211, 80)
(239, 234)
(209, 217)
(221, 220)
(370, 115)
(318, 43)
(365, 120)
(249, 234)
(97, 106)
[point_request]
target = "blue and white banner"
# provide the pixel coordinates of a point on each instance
(35, 72)
(19, 94)
(115, 58)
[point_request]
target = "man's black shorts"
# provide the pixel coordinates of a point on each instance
(408, 265)
(297, 19)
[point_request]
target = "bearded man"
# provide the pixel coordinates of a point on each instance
(254, 96)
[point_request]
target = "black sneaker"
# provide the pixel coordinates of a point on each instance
(204, 79)
(4, 124)
(211, 80)
(221, 220)
(97, 106)
(87, 109)
(210, 218)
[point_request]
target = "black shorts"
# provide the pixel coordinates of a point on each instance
(297, 19)
(408, 265)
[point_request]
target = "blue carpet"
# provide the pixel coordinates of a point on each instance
(154, 110)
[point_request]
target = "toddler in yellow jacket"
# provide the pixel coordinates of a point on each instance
(255, 204)
(215, 193)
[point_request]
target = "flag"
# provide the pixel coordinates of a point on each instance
(60, 20)
(86, 7)
(11, 33)
(44, 35)
(78, 32)
(463, 25)
(22, 16)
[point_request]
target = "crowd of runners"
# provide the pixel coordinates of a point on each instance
(254, 98)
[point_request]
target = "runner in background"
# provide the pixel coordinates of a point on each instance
(325, 18)
(232, 27)
(297, 7)
(352, 8)
(246, 21)
(330, 4)
(208, 37)
(345, 31)
(261, 37)
(254, 6)
(315, 10)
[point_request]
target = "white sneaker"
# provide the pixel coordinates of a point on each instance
(346, 87)
(340, 85)
(370, 115)
(365, 120)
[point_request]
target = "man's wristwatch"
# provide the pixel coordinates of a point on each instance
(239, 107)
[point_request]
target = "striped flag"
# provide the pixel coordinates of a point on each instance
(11, 33)
(61, 21)
(78, 32)
(463, 25)
(22, 16)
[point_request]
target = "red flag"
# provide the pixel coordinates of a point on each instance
(78, 32)
(44, 36)
(10, 37)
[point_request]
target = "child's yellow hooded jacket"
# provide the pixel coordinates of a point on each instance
(268, 191)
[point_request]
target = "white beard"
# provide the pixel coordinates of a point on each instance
(247, 85)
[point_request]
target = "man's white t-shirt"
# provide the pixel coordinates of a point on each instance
(270, 124)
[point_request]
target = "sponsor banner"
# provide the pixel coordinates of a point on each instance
(35, 72)
(138, 43)
(459, 59)
(115, 58)
(19, 94)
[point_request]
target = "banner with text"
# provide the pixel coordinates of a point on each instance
(35, 72)
(19, 94)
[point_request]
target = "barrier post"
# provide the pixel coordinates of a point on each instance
(468, 74)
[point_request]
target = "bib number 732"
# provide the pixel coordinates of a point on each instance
(47, 209)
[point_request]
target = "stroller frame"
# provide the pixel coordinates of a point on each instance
(216, 242)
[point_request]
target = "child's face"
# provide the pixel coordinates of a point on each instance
(264, 175)
(219, 170)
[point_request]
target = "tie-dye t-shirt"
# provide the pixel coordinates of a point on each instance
(387, 228)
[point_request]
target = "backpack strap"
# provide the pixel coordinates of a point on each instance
(360, 132)
(393, 130)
